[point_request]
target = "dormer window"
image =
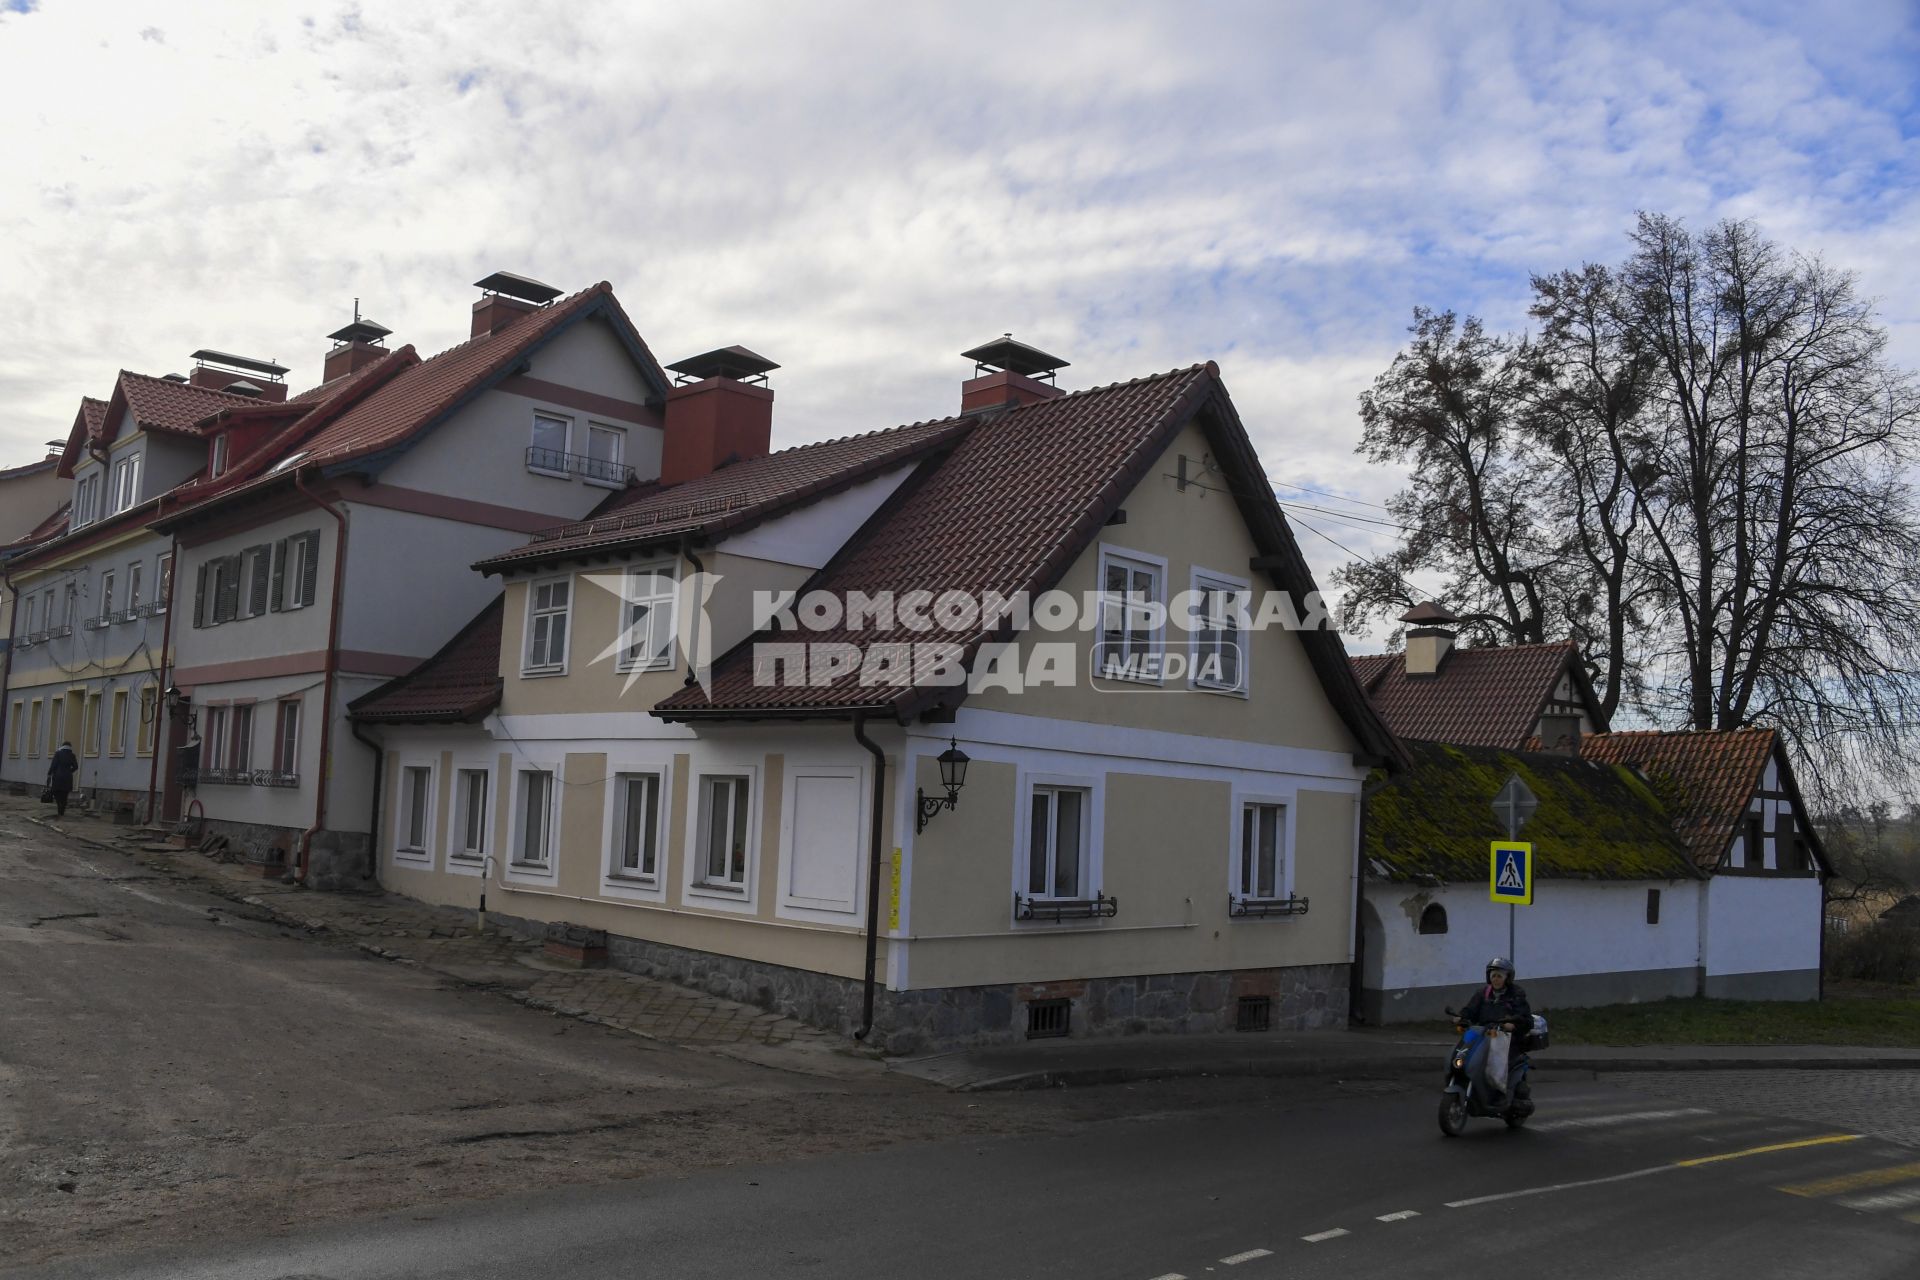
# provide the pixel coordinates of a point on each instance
(219, 460)
(126, 483)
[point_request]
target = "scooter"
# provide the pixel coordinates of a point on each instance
(1464, 1095)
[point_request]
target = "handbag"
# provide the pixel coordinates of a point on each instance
(46, 795)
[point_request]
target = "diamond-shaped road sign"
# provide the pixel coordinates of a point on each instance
(1514, 805)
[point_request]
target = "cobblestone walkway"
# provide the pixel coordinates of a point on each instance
(448, 943)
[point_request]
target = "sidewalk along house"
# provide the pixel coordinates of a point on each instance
(325, 552)
(1736, 803)
(1617, 899)
(91, 623)
(1730, 796)
(1129, 844)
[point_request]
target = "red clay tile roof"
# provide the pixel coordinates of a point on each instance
(734, 496)
(94, 412)
(160, 405)
(459, 683)
(47, 530)
(28, 469)
(1488, 697)
(1021, 495)
(1709, 777)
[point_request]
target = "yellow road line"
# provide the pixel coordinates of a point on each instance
(1775, 1146)
(1855, 1181)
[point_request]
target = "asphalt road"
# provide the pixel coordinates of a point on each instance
(1333, 1182)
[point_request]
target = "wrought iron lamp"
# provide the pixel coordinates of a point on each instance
(953, 776)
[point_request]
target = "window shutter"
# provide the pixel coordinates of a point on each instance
(200, 595)
(310, 571)
(277, 598)
(257, 589)
(226, 605)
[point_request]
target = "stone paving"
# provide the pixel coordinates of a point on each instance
(448, 943)
(1884, 1104)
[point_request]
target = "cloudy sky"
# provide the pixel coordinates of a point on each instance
(861, 191)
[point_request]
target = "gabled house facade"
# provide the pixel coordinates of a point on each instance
(1135, 843)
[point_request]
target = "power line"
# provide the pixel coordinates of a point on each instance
(1357, 556)
(1362, 502)
(1344, 516)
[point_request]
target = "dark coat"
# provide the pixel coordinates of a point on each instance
(61, 769)
(1510, 1005)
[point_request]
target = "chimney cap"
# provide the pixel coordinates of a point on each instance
(361, 330)
(724, 362)
(517, 286)
(206, 355)
(173, 377)
(1429, 614)
(242, 388)
(1004, 352)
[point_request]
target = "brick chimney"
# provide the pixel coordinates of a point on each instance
(1008, 374)
(355, 346)
(1430, 640)
(507, 298)
(220, 370)
(721, 412)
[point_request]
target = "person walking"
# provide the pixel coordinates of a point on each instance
(60, 771)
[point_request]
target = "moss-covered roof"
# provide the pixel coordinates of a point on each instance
(1595, 821)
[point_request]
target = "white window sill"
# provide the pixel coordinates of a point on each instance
(716, 886)
(541, 673)
(600, 484)
(642, 668)
(551, 475)
(471, 859)
(1238, 691)
(636, 879)
(543, 868)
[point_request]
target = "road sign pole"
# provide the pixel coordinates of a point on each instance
(1513, 833)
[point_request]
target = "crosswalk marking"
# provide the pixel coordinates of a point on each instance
(1859, 1181)
(1619, 1117)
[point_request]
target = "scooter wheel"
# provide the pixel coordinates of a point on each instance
(1514, 1121)
(1453, 1114)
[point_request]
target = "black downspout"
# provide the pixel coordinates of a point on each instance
(876, 829)
(1356, 979)
(373, 812)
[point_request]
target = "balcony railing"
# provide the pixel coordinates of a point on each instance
(1255, 907)
(554, 462)
(1098, 907)
(247, 778)
(96, 624)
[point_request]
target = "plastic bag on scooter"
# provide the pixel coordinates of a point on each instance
(1499, 1046)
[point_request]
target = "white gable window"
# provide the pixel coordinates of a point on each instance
(647, 643)
(1058, 841)
(126, 482)
(549, 606)
(1218, 649)
(1133, 592)
(551, 450)
(606, 455)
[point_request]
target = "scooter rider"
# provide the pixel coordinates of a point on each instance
(1502, 1000)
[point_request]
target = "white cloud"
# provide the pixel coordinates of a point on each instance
(861, 191)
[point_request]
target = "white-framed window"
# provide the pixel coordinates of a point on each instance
(549, 608)
(213, 738)
(533, 819)
(136, 586)
(163, 585)
(606, 455)
(241, 754)
(1057, 841)
(552, 444)
(723, 840)
(217, 598)
(256, 573)
(33, 730)
(16, 728)
(27, 603)
(1218, 643)
(90, 726)
(1133, 595)
(117, 725)
(295, 578)
(414, 817)
(106, 595)
(217, 459)
(648, 619)
(472, 794)
(126, 482)
(1260, 851)
(637, 834)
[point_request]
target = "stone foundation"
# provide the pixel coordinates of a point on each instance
(337, 860)
(1303, 998)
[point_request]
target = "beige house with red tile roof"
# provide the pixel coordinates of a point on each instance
(1155, 829)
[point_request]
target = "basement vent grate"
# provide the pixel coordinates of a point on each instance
(1254, 1013)
(1048, 1018)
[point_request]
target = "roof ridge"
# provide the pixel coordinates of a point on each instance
(552, 308)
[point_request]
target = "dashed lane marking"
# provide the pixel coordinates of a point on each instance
(1558, 1186)
(1318, 1236)
(1171, 1275)
(1620, 1117)
(1238, 1258)
(1769, 1149)
(1860, 1181)
(1401, 1216)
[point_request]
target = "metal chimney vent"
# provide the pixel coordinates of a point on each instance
(228, 360)
(1014, 357)
(521, 287)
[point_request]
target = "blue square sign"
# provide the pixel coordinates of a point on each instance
(1511, 877)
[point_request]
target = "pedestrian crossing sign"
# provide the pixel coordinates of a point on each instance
(1511, 879)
